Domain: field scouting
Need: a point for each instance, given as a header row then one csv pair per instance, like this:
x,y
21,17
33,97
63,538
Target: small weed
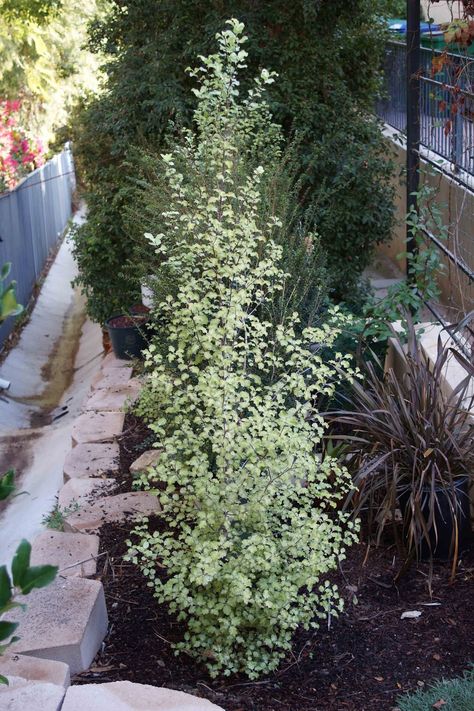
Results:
x,y
56,518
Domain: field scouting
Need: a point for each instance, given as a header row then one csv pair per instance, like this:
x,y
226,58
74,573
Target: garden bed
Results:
x,y
363,662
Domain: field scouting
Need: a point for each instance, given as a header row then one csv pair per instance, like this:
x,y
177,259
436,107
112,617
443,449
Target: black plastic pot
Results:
x,y
127,336
442,533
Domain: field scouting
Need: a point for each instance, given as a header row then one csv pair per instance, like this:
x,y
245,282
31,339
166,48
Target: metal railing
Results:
x,y
33,217
446,123
446,131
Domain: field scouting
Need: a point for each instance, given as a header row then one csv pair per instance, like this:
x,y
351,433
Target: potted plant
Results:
x,y
409,446
127,334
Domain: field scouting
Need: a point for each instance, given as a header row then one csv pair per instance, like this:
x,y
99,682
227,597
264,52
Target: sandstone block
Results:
x,y
121,507
71,552
112,378
84,491
126,696
66,621
112,399
93,427
23,695
145,461
110,361
34,669
92,460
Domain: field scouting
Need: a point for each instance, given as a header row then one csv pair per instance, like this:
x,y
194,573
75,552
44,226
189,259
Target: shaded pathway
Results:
x,y
50,370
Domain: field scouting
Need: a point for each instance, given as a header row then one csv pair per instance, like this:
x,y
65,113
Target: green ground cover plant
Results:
x,y
253,516
447,695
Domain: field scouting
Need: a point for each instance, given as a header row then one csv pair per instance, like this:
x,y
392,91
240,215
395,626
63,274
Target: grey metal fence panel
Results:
x,y
33,217
448,133
392,107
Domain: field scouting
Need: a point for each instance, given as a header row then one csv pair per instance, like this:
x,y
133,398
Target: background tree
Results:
x,y
327,55
43,62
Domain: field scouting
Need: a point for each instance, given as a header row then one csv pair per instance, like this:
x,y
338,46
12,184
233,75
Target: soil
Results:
x,y
361,662
139,309
126,321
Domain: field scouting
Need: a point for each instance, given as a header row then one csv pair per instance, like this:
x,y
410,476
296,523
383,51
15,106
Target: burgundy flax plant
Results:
x,y
406,438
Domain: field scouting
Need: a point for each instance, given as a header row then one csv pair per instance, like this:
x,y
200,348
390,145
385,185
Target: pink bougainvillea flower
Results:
x,y
19,154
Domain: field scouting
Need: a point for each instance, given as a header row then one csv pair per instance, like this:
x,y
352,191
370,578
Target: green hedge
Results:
x,y
327,55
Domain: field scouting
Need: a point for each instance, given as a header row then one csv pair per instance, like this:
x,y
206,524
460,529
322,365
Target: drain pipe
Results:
x,y
413,58
4,384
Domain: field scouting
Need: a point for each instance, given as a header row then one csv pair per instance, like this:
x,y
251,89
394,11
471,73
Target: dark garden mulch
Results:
x,y
361,663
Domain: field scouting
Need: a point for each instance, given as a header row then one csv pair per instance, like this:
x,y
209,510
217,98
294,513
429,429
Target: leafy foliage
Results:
x,y
98,250
396,8
43,61
260,143
327,55
38,10
406,438
23,579
253,526
405,301
8,303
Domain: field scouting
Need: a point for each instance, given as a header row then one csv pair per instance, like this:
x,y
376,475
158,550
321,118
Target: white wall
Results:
x,y
442,11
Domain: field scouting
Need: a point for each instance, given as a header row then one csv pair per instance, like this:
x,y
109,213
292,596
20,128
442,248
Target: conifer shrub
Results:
x,y
253,523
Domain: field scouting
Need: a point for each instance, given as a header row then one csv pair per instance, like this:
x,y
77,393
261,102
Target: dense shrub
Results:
x,y
259,142
105,252
327,55
397,8
252,522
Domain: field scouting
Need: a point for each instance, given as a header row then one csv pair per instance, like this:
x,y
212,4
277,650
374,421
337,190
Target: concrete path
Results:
x,y
51,370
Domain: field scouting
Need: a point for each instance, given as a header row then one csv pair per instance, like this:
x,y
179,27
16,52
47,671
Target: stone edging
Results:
x,y
65,624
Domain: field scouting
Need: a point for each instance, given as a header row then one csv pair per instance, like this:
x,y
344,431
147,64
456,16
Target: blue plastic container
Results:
x,y
399,26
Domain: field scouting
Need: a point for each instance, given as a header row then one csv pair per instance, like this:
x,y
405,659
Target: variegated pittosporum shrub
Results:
x,y
253,523
259,142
